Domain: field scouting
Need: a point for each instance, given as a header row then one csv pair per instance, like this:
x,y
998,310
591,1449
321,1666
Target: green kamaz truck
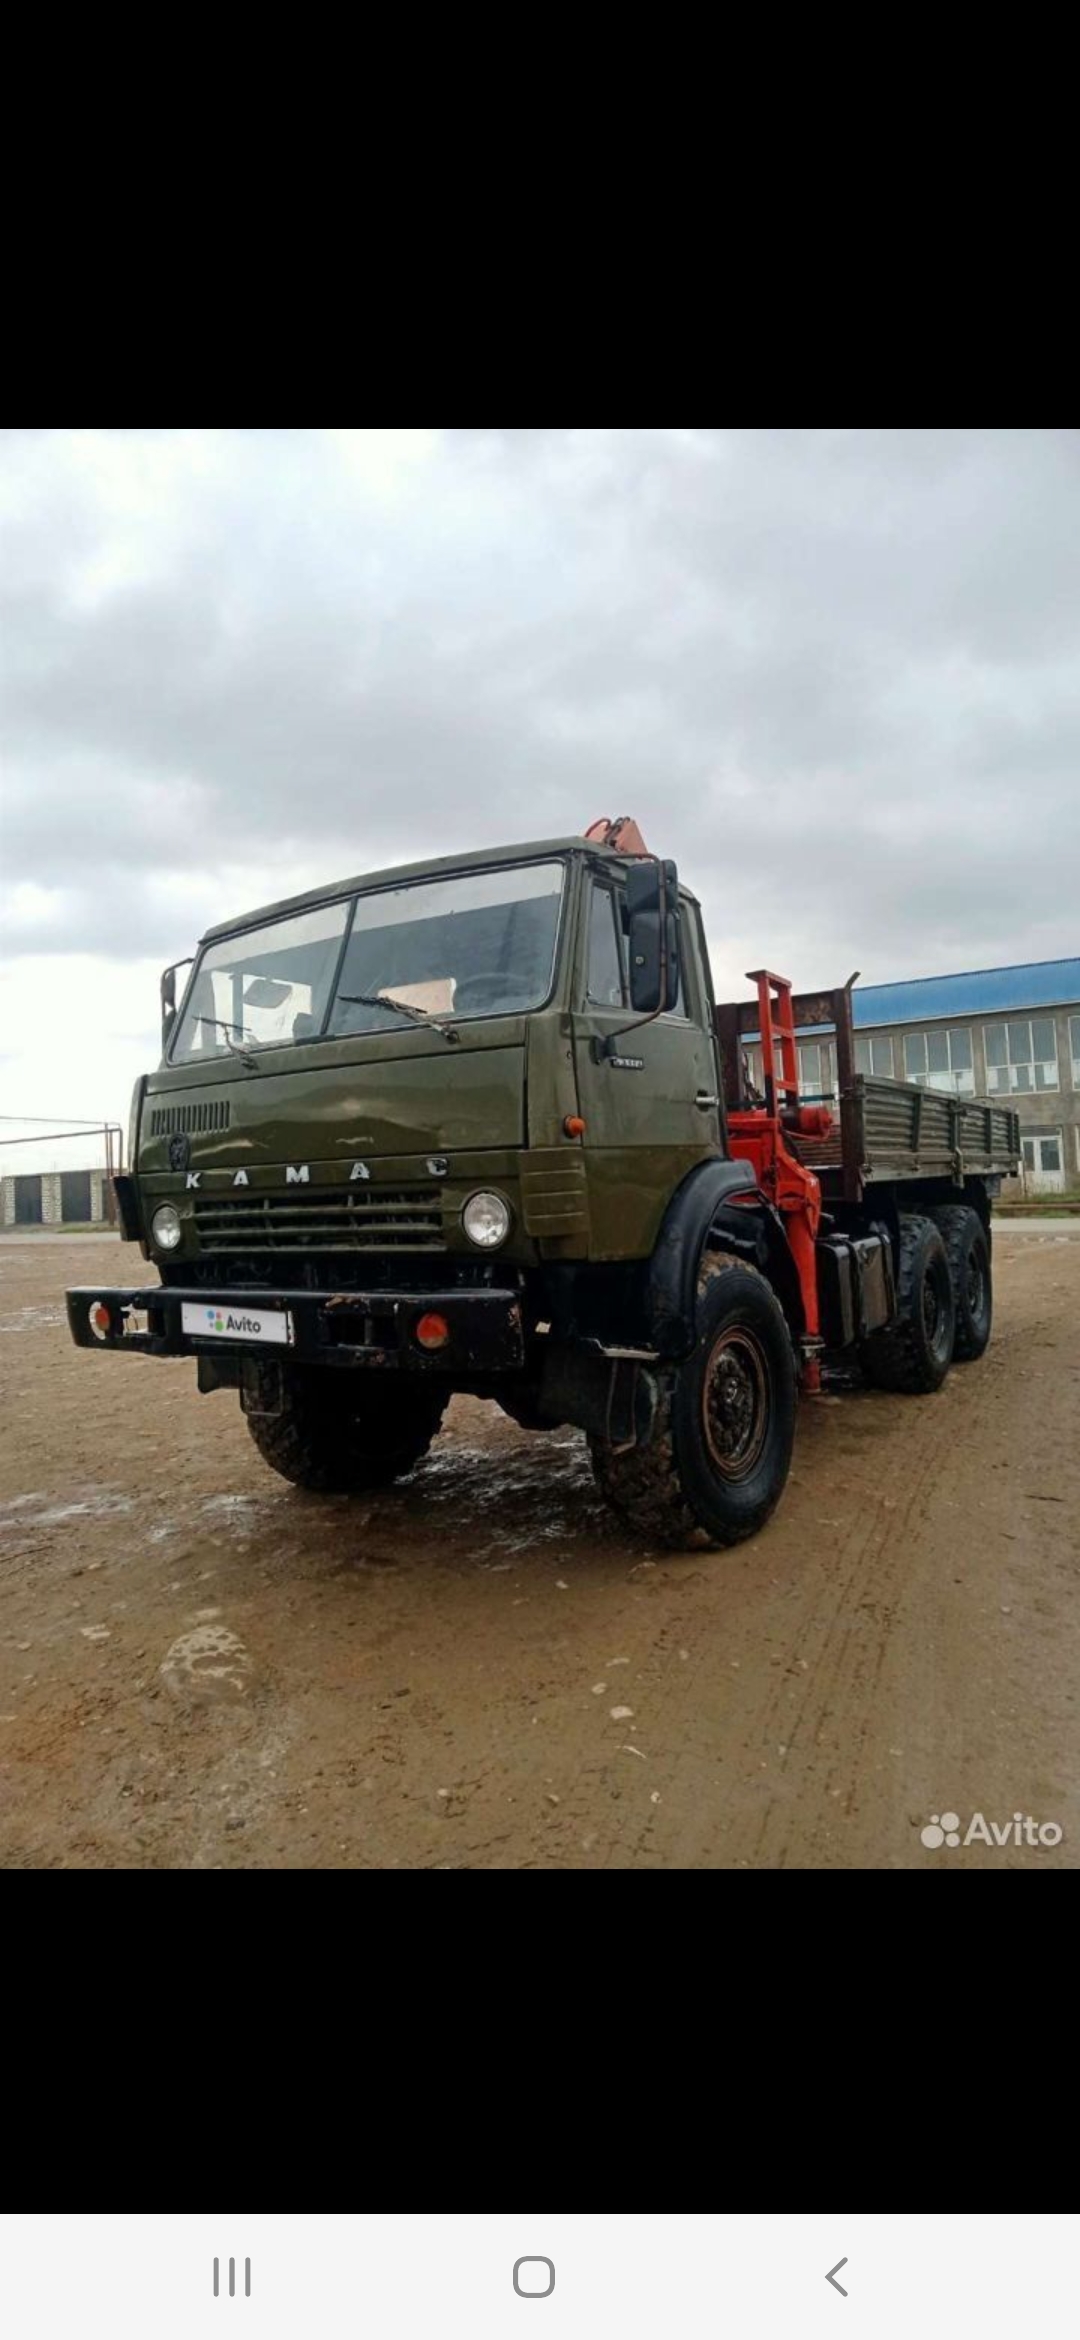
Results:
x,y
479,1124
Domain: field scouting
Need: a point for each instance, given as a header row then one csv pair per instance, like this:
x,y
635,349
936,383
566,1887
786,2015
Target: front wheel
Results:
x,y
347,1433
718,1458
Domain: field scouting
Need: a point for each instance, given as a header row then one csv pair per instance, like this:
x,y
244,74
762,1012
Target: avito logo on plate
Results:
x,y
212,1320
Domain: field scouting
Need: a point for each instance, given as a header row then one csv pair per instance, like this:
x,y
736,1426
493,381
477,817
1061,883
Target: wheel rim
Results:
x,y
735,1402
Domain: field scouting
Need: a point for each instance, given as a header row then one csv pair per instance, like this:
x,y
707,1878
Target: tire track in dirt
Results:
x,y
419,1685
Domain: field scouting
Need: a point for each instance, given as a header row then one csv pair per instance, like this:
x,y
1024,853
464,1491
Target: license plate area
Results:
x,y
219,1321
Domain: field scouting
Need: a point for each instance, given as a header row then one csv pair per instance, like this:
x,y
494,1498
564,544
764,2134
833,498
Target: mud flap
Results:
x,y
262,1385
613,1398
633,1404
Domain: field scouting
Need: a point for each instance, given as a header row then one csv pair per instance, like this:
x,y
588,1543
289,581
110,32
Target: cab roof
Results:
x,y
405,872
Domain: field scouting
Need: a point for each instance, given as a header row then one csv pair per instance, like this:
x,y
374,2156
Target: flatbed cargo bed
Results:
x,y
886,1130
894,1129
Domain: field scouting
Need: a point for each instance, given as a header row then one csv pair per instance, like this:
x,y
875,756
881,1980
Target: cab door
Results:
x,y
651,1107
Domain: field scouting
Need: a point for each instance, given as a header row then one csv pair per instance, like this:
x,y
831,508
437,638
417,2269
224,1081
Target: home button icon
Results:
x,y
534,2278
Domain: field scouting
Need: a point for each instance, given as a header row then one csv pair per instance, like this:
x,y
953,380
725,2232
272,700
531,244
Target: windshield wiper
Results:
x,y
219,1026
404,1007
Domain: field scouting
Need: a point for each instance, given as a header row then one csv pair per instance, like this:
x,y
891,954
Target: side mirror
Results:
x,y
652,917
168,999
168,1004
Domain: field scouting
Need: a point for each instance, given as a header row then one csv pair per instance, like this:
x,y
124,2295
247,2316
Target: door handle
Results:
x,y
705,1101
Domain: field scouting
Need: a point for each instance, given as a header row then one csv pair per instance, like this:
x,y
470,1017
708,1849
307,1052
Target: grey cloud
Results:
x,y
834,672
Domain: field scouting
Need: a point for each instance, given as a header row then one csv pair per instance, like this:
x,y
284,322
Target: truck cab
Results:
x,y
345,1071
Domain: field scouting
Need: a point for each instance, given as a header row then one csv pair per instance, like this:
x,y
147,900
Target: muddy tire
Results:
x,y
914,1353
968,1251
720,1452
342,1433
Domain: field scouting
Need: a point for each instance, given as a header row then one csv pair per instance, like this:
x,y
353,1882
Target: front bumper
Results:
x,y
326,1328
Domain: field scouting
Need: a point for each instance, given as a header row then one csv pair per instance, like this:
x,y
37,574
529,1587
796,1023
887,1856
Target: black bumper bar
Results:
x,y
323,1328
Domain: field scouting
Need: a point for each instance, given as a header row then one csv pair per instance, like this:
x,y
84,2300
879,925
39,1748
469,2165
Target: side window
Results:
x,y
606,985
680,1008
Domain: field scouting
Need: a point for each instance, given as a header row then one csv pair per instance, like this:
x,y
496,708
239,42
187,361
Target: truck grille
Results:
x,y
166,1120
407,1219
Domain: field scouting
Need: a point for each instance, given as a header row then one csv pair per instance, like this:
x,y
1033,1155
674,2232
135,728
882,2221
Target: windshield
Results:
x,y
482,944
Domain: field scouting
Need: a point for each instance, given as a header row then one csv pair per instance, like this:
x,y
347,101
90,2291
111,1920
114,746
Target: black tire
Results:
x,y
913,1353
718,1459
968,1250
345,1433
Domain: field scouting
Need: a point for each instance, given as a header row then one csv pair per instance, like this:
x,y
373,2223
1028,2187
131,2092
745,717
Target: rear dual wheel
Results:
x,y
967,1248
913,1353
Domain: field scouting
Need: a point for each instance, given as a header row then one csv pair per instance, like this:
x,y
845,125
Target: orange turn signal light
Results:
x,y
432,1330
574,1125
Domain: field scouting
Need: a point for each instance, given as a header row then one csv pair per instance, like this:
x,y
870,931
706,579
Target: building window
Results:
x,y
940,1059
815,1072
1021,1056
815,1058
1074,1043
874,1056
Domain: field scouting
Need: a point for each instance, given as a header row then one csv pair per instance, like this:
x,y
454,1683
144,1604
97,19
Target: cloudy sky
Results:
x,y
835,674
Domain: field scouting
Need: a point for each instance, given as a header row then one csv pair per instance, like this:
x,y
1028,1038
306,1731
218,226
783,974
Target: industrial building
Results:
x,y
1009,1032
56,1198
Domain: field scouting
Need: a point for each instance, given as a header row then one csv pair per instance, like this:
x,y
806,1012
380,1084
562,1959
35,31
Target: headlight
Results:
x,y
486,1220
165,1227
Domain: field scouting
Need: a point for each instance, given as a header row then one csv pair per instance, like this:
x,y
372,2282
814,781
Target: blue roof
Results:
x,y
985,991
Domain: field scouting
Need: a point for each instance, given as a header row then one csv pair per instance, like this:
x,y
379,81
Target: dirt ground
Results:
x,y
202,1668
